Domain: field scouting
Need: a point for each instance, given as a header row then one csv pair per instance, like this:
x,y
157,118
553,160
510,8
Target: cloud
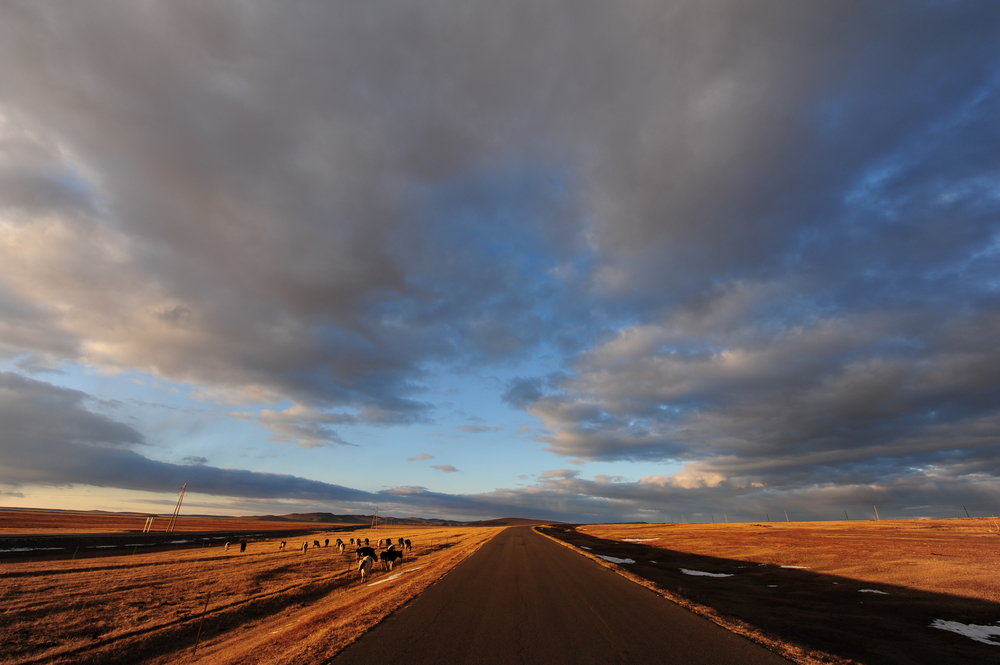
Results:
x,y
421,456
559,473
480,429
51,438
755,241
301,425
447,468
195,459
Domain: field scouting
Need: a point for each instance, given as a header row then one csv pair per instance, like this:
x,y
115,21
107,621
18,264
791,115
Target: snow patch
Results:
x,y
984,634
396,576
704,574
584,547
637,540
614,559
797,567
881,593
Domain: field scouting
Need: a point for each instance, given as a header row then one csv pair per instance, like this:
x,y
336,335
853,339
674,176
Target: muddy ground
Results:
x,y
863,592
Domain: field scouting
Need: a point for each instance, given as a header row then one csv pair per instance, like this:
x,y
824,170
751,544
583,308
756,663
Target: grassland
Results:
x,y
865,592
261,606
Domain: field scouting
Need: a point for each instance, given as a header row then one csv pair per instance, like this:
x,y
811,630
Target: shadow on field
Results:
x,y
840,616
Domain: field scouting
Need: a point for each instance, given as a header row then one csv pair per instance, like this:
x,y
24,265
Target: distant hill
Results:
x,y
330,518
511,521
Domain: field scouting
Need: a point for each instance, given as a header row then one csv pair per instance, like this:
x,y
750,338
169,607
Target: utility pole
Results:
x,y
177,510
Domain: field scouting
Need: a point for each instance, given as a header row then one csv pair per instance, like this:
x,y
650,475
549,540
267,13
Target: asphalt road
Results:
x,y
524,599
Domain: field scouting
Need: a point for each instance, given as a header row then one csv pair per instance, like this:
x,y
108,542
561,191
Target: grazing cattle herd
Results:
x,y
385,552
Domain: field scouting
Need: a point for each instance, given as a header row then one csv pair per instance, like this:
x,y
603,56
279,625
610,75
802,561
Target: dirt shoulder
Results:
x,y
823,592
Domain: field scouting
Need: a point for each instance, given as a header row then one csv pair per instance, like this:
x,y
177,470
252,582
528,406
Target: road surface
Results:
x,y
525,599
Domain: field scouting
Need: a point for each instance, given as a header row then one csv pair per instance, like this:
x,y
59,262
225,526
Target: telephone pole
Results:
x,y
177,510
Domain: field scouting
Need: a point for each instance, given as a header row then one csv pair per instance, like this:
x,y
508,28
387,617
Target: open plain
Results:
x,y
842,592
862,591
262,606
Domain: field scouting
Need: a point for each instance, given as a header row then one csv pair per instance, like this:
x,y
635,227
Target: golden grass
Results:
x,y
265,606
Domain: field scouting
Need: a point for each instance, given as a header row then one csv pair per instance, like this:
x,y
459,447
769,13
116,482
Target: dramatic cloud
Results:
x,y
750,245
51,437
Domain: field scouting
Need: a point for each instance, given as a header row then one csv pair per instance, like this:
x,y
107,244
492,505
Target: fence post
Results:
x,y
200,624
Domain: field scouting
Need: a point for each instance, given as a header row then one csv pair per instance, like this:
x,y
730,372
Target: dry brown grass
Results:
x,y
956,556
794,587
46,522
265,606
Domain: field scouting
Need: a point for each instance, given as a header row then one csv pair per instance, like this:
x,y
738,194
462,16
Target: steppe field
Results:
x,y
921,591
835,592
130,605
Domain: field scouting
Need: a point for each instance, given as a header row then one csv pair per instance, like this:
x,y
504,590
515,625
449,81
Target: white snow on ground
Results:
x,y
584,547
881,593
31,549
704,574
637,540
797,567
984,634
396,576
614,559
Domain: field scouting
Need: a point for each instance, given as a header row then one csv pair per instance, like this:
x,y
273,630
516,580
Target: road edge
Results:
x,y
787,650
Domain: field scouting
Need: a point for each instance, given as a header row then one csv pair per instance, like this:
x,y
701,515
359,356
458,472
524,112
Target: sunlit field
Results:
x,y
265,605
861,591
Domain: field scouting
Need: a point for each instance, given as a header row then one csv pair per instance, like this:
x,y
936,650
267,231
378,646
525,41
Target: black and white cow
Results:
x,y
365,566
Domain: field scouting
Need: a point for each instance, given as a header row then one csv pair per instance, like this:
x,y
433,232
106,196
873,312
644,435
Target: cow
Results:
x,y
227,547
380,543
326,543
305,546
281,546
365,566
362,552
366,542
352,541
315,543
400,543
407,543
339,541
340,546
388,557
243,546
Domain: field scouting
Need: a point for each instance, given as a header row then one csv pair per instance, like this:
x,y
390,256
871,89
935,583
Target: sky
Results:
x,y
635,261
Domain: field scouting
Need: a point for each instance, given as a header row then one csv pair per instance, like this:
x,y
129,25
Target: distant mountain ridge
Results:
x,y
330,518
